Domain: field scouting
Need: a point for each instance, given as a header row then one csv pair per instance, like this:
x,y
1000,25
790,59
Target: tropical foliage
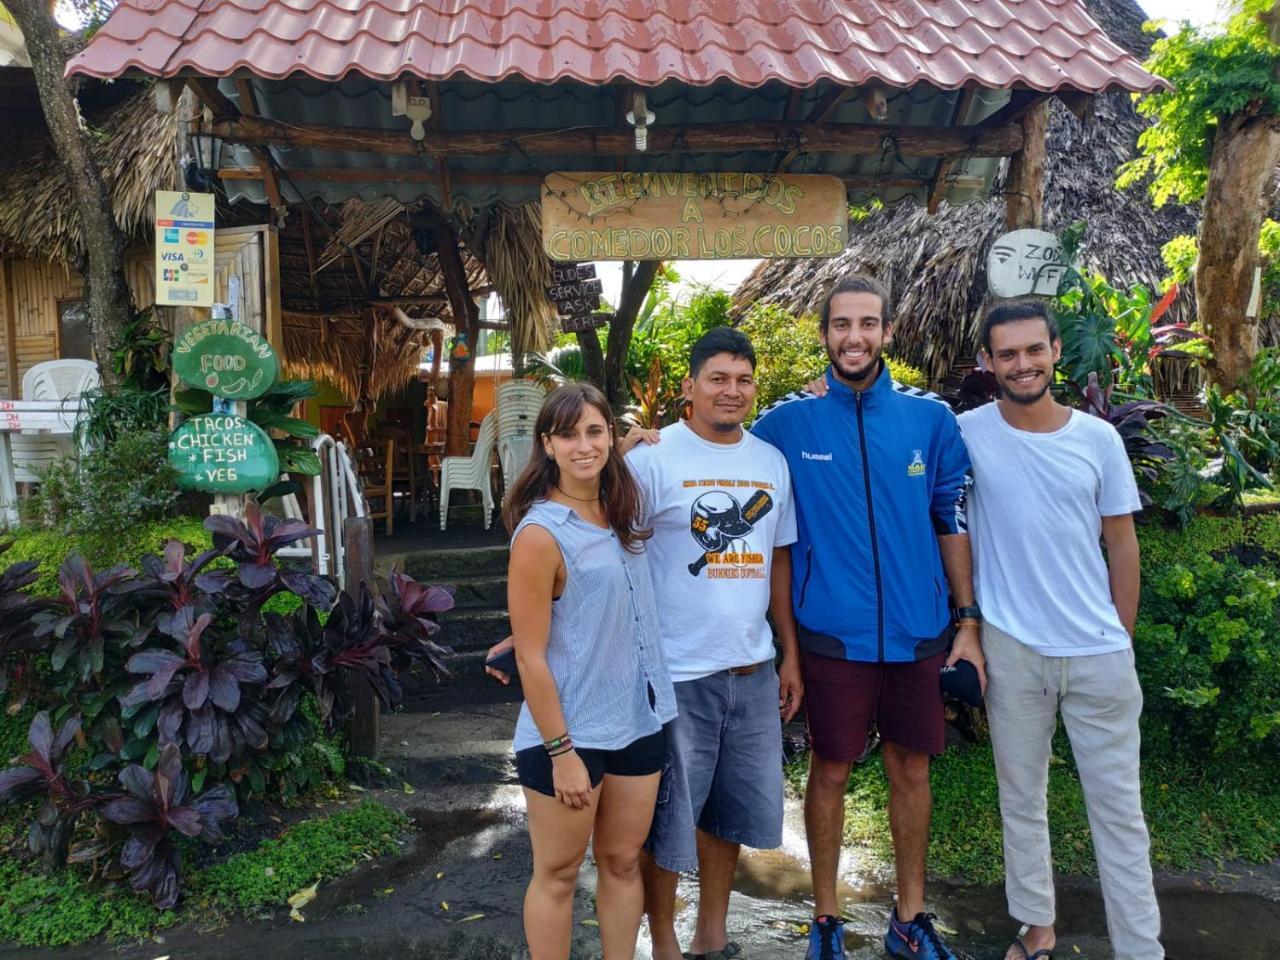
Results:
x,y
169,694
1213,74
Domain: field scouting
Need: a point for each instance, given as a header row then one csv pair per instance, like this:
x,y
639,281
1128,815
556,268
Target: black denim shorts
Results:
x,y
640,758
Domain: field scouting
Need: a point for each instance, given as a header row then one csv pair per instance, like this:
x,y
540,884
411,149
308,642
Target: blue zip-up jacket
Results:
x,y
878,474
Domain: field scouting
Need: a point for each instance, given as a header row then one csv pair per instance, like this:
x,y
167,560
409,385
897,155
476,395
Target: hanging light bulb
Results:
x,y
640,116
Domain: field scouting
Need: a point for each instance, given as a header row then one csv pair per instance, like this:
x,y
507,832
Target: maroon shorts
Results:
x,y
843,698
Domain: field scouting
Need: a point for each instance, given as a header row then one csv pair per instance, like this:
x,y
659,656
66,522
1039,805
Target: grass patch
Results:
x,y
312,850
64,907
1194,816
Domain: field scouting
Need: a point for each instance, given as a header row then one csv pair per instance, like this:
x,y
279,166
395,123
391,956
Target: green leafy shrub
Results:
x,y
173,675
49,548
905,373
107,491
1208,644
788,351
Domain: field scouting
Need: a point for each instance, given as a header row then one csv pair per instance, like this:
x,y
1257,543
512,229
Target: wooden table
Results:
x,y
55,417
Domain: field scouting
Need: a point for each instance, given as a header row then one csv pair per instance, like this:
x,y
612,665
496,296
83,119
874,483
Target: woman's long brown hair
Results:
x,y
619,492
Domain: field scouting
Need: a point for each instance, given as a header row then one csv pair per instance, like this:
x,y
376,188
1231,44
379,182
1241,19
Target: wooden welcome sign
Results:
x,y
692,216
227,358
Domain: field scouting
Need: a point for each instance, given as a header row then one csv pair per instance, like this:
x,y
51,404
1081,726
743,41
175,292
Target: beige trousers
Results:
x,y
1100,701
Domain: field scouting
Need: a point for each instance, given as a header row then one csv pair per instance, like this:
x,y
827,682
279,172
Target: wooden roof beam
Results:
x,y
820,113
938,185
270,183
985,140
207,92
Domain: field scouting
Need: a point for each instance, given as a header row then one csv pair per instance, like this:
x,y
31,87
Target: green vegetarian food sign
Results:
x,y
222,453
227,358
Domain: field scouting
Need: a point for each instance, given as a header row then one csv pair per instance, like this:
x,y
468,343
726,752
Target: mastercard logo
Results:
x,y
197,237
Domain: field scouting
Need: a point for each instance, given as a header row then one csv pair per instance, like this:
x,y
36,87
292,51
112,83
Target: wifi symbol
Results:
x,y
1002,253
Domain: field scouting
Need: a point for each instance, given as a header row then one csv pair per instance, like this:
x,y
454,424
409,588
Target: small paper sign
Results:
x,y
184,249
222,453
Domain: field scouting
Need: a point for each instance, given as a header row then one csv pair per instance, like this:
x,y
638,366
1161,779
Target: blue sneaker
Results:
x,y
826,939
916,940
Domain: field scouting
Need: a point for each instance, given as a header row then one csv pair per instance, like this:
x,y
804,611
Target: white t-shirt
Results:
x,y
717,511
1035,521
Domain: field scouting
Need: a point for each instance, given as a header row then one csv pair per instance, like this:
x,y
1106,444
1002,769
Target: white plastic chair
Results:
x,y
471,473
517,405
34,452
50,381
59,379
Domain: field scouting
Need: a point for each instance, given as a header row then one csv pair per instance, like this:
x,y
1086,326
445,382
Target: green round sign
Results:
x,y
223,453
226,358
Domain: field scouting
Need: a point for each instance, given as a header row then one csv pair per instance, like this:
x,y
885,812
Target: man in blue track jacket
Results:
x,y
880,475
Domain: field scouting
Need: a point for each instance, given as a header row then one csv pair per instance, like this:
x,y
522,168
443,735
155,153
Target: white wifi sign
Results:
x,y
1025,262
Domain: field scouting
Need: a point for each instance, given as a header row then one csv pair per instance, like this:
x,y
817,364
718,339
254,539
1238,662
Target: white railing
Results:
x,y
335,495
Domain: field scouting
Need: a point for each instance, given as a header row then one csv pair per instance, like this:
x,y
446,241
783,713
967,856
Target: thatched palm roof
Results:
x,y
337,265
936,265
139,151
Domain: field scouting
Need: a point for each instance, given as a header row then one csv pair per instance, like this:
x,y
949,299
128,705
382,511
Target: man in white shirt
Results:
x,y
1049,482
719,503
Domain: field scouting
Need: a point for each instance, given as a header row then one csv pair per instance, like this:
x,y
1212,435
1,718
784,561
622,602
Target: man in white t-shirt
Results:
x,y
719,503
1050,483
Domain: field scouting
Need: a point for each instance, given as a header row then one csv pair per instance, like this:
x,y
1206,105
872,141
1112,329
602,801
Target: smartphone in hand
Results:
x,y
506,662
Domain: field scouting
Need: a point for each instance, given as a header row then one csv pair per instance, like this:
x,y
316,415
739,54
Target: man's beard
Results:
x,y
1024,399
868,372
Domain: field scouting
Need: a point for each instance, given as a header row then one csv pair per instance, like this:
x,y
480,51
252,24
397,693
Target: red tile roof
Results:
x,y
1042,44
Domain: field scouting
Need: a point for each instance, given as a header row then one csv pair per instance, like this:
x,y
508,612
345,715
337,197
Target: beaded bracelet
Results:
x,y
556,742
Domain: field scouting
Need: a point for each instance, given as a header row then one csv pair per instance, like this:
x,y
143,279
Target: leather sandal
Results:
x,y
730,951
1038,955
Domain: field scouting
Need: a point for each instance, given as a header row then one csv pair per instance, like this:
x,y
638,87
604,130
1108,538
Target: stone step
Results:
x,y
448,566
486,591
467,687
466,629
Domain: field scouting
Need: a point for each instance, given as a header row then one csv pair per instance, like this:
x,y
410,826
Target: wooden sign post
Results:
x,y
692,216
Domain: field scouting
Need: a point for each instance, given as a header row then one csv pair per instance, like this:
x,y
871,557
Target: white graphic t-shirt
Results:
x,y
717,512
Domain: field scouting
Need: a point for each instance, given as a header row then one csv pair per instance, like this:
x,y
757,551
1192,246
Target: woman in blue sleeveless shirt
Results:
x,y
589,742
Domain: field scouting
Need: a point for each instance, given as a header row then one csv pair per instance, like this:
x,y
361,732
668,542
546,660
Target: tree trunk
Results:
x,y
1243,161
637,278
466,318
1024,187
101,263
592,356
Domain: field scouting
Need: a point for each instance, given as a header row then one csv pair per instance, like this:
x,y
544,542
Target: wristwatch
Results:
x,y
969,613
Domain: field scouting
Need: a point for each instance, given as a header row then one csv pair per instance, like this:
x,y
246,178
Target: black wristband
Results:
x,y
969,613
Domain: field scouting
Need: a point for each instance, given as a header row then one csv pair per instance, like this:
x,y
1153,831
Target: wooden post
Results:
x,y
10,329
1024,188
365,729
466,319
